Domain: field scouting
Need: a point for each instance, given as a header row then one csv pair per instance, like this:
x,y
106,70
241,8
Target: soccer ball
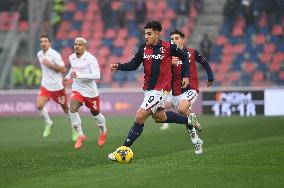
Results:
x,y
123,154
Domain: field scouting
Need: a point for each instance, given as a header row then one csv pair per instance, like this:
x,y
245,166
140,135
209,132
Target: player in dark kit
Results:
x,y
183,97
156,56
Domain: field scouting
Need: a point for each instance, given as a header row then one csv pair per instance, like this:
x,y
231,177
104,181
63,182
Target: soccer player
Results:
x,y
84,71
52,67
183,98
155,55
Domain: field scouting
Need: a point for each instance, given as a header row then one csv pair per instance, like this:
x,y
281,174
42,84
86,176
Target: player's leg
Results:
x,y
61,98
168,105
135,131
75,103
184,107
141,115
94,106
42,99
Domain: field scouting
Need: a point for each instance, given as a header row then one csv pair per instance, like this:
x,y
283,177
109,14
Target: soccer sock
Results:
x,y
101,121
173,117
76,123
44,114
133,134
189,127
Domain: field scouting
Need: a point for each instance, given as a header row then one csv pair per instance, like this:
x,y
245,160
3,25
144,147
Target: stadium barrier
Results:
x,y
215,101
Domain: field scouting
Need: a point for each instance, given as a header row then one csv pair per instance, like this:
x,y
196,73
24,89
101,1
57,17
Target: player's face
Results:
x,y
177,40
151,36
44,43
79,47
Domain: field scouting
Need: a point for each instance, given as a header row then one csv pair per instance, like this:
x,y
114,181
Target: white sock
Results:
x,y
44,114
101,121
76,123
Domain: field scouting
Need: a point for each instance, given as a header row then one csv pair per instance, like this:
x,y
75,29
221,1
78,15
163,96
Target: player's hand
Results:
x,y
175,60
113,67
74,74
185,82
209,83
65,81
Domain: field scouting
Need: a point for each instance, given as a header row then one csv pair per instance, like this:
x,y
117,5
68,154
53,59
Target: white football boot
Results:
x,y
192,119
111,156
164,126
193,135
198,147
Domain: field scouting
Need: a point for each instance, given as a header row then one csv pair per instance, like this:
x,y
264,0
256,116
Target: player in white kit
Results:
x,y
84,71
52,67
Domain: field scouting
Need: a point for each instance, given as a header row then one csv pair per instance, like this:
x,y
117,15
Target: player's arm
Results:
x,y
131,65
202,60
55,67
177,52
94,68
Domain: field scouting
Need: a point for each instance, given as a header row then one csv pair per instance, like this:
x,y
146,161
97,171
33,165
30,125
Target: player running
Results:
x,y
155,55
183,98
52,67
84,71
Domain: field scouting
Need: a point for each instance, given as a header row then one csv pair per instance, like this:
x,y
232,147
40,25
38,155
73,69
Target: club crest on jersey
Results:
x,y
179,63
162,50
152,56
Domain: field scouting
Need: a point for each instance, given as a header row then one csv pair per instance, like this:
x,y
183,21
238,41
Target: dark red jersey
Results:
x,y
194,57
157,62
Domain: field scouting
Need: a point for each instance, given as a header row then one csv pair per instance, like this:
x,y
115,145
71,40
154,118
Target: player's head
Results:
x,y
177,37
45,42
152,32
80,45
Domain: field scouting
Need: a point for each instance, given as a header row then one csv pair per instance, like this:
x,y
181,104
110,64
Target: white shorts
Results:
x,y
190,95
153,100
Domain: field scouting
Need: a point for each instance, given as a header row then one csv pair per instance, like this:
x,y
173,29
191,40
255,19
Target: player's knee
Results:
x,y
95,112
182,110
39,107
140,117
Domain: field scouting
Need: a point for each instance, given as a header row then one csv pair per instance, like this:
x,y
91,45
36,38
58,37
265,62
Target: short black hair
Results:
x,y
178,32
155,25
45,36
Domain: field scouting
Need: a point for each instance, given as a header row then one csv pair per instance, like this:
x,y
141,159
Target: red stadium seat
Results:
x,y
269,48
237,31
239,48
265,57
70,6
277,30
23,26
281,75
221,40
228,49
234,76
258,76
248,67
274,67
259,39
278,57
227,58
79,16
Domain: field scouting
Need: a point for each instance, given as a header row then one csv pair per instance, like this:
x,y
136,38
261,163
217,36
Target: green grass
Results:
x,y
238,152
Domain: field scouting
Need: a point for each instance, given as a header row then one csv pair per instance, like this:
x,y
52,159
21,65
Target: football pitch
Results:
x,y
237,152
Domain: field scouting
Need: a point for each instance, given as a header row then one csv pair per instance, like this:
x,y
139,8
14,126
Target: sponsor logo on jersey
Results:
x,y
152,56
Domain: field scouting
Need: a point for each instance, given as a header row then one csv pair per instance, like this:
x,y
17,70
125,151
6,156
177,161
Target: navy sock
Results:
x,y
133,134
173,117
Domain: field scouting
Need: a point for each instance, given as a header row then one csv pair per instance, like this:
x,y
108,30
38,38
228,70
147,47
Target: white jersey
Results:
x,y
87,70
51,79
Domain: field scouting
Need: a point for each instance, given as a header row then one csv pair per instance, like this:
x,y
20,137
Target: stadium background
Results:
x,y
243,41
